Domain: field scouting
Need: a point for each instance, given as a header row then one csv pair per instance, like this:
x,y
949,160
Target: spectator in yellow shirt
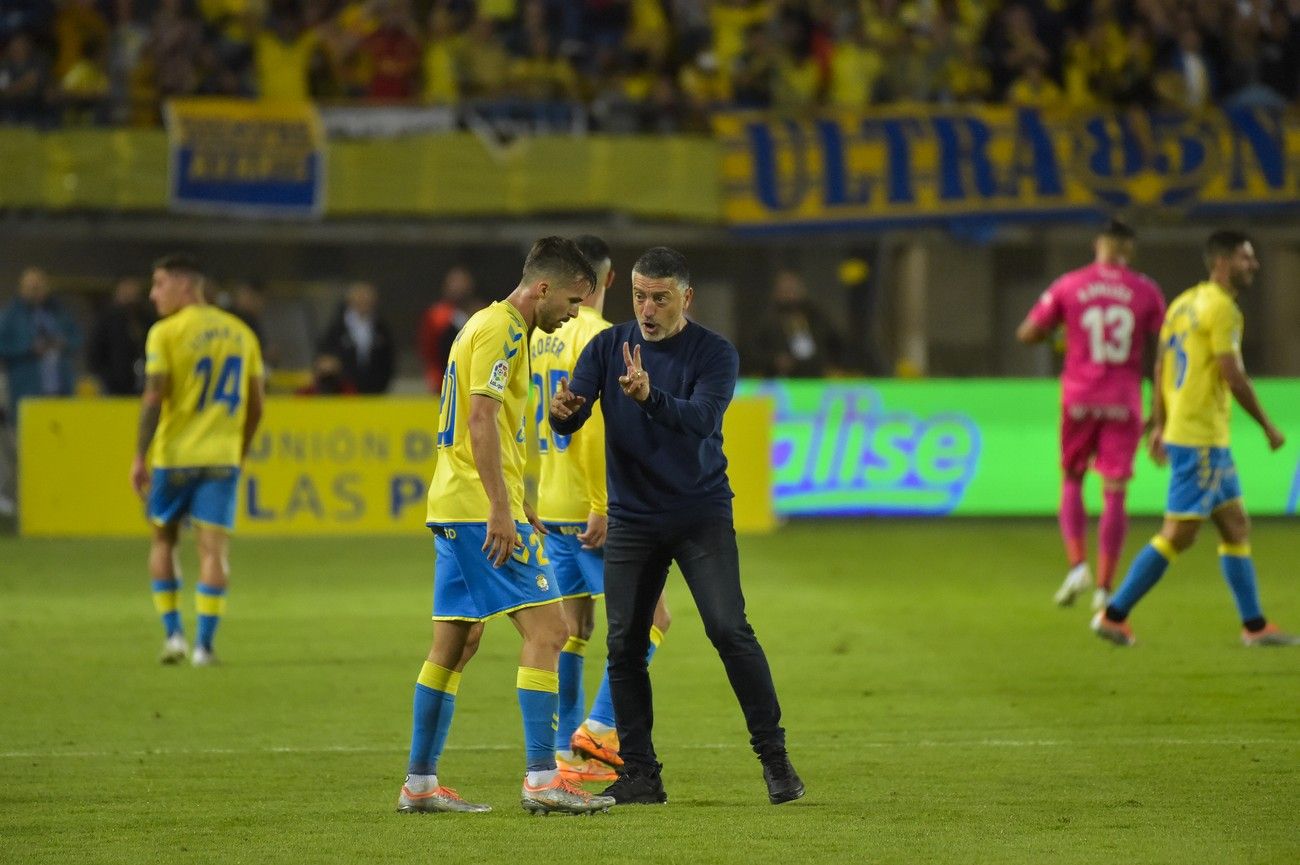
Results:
x,y
441,78
1034,89
856,67
540,75
283,58
484,63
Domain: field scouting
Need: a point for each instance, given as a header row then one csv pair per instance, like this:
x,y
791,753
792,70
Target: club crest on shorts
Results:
x,y
541,582
500,373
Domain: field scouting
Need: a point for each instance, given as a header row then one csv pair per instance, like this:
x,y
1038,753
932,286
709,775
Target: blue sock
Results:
x,y
602,708
165,601
571,700
538,700
1239,570
1143,574
211,604
435,703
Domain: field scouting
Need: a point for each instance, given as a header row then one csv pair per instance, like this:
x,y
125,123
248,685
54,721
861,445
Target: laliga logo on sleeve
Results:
x,y
500,374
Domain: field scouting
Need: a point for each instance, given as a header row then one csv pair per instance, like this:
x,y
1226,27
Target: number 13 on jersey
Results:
x,y
1110,333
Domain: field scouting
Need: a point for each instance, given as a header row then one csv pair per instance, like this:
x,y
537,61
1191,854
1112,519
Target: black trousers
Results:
x,y
636,566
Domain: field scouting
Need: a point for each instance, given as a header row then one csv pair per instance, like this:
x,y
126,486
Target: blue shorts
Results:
x,y
205,495
1200,481
466,586
579,573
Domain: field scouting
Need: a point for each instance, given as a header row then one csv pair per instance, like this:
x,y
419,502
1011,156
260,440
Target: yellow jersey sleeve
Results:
x,y
156,360
496,351
1223,327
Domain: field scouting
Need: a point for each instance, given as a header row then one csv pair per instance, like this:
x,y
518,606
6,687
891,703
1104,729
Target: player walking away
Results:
x,y
202,402
1199,364
490,559
664,384
572,505
1111,314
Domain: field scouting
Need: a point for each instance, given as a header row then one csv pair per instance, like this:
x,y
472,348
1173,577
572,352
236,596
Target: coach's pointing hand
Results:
x,y
636,383
565,402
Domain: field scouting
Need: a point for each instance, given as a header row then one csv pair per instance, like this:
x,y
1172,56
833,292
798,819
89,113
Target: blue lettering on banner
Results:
x,y
1265,135
345,491
304,497
853,456
403,491
774,189
989,164
418,446
254,509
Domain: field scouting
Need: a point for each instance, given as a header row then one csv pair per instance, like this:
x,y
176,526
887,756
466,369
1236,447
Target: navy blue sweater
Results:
x,y
663,457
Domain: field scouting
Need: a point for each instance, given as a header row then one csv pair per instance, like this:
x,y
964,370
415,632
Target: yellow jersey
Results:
x,y
1202,323
490,358
209,356
572,468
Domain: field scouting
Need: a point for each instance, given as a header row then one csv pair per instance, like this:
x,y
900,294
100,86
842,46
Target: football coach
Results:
x,y
663,383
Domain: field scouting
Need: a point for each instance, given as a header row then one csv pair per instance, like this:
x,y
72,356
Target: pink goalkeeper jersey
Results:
x,y
1108,312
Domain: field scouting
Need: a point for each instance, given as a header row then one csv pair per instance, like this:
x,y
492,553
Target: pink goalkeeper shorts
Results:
x,y
1105,438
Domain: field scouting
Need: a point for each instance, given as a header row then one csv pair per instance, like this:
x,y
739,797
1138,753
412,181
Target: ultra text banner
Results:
x,y
1001,163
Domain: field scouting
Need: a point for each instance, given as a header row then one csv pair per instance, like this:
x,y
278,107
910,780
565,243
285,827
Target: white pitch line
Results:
x,y
697,746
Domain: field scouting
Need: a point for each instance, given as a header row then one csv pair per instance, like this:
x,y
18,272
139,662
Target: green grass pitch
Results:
x,y
939,708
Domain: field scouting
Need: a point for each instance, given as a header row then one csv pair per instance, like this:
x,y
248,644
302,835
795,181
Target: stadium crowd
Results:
x,y
642,65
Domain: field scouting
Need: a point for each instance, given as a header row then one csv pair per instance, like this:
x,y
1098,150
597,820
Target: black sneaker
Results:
x,y
638,785
783,784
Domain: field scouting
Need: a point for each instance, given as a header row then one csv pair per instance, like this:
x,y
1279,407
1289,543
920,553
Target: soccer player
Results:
x,y
1111,315
202,402
490,559
572,506
664,383
1199,364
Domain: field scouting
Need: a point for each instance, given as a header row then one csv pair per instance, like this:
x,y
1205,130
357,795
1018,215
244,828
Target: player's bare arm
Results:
x,y
1030,333
1234,374
485,443
565,402
150,413
256,400
636,381
1155,423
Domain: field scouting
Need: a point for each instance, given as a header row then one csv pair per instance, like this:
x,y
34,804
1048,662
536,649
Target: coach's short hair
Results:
x,y
560,258
1222,243
663,263
181,262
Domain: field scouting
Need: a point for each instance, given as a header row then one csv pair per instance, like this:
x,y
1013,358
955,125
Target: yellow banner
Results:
x,y
347,466
431,174
1001,163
